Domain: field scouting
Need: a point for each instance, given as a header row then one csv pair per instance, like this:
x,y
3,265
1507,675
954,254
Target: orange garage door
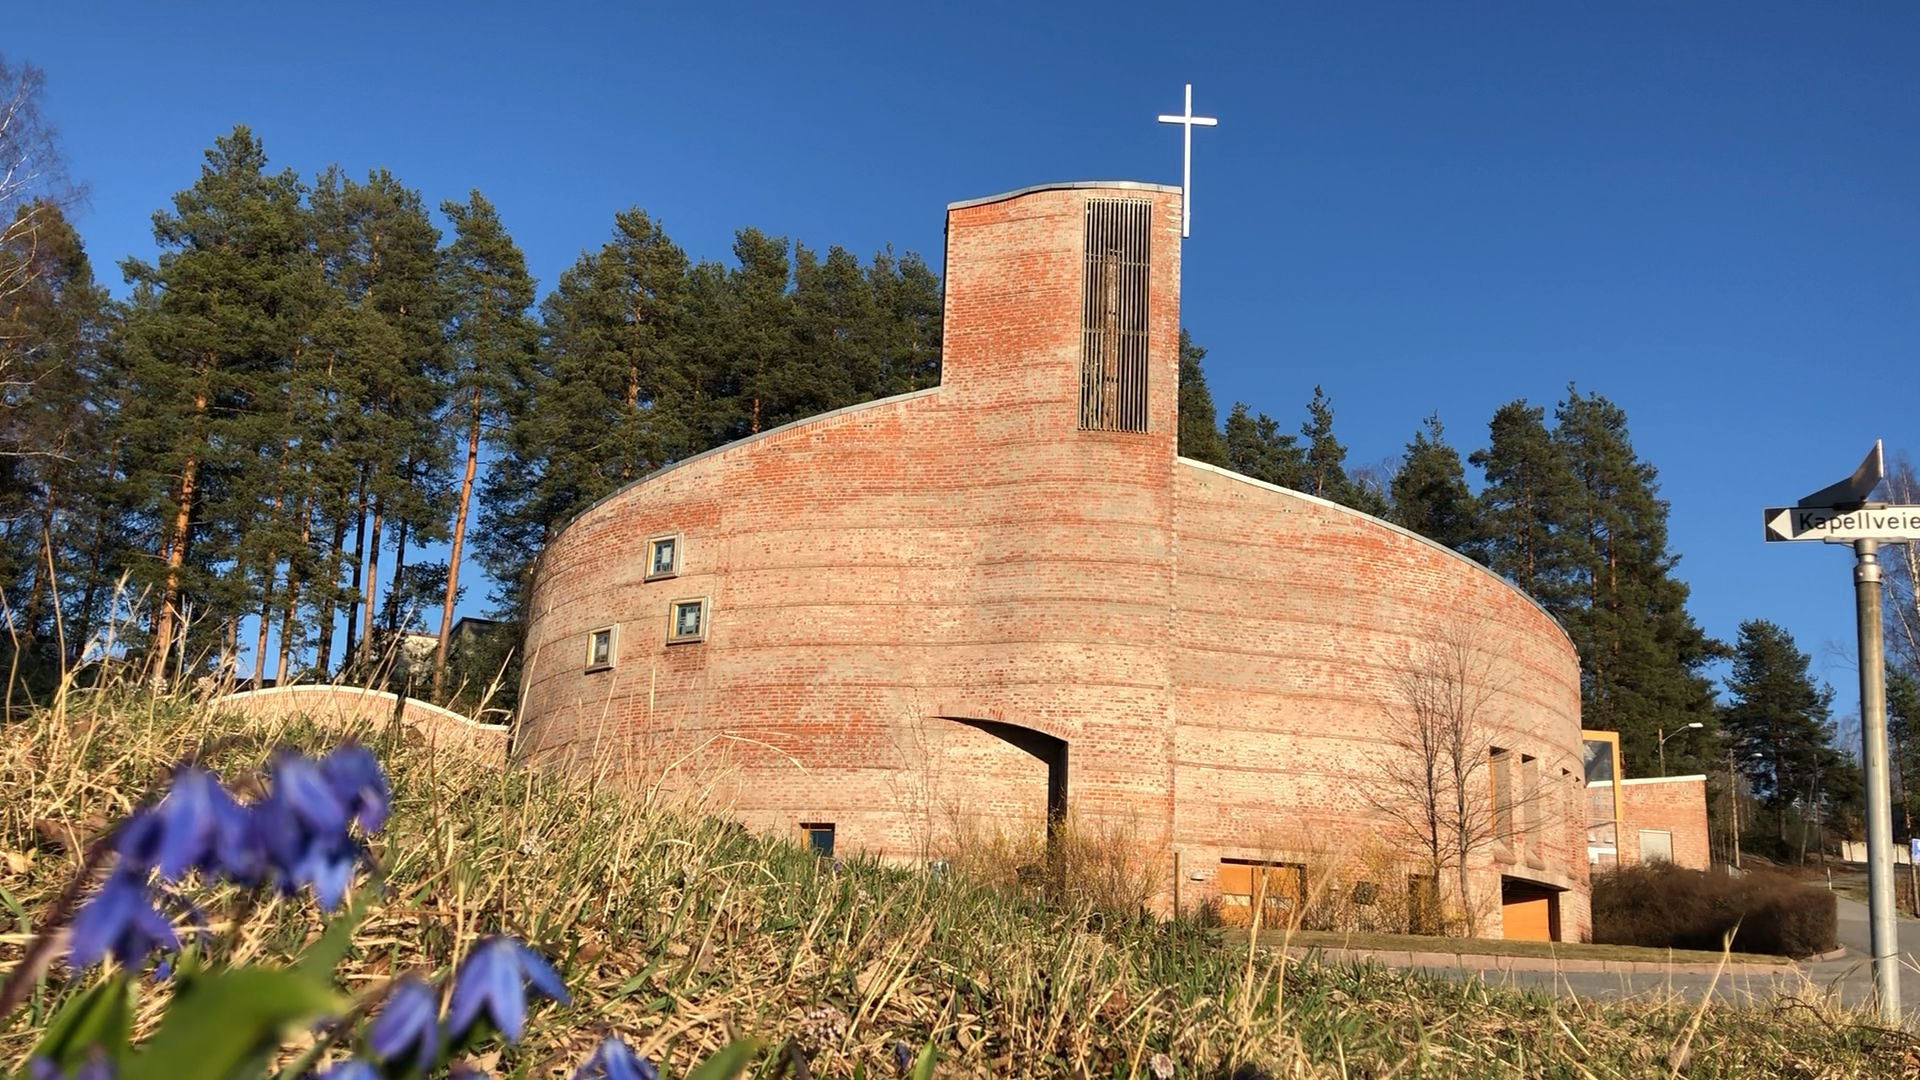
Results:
x,y
1528,912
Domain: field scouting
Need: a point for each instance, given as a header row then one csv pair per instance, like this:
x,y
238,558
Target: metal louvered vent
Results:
x,y
1113,326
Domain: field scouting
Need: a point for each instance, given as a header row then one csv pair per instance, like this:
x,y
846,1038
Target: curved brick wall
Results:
x,y
1211,650
1297,621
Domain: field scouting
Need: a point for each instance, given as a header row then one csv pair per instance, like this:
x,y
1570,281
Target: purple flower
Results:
x,y
350,1069
615,1060
490,984
902,1058
408,1025
180,833
238,850
300,786
301,828
355,776
121,920
97,1067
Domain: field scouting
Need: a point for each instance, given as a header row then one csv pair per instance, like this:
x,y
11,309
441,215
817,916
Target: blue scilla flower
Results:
x,y
615,1060
350,1069
408,1027
354,773
182,832
491,984
301,828
97,1067
119,920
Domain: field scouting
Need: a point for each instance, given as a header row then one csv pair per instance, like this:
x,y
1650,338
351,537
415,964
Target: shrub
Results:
x,y
1665,906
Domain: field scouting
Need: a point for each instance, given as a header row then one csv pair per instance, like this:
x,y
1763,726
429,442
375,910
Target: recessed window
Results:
x,y
687,621
1114,320
663,557
1500,787
600,649
819,837
1656,845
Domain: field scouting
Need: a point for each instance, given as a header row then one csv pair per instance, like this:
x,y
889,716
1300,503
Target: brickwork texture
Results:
x,y
891,587
1675,805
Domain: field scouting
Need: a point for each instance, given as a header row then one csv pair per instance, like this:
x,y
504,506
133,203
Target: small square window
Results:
x,y
688,621
663,557
600,649
819,837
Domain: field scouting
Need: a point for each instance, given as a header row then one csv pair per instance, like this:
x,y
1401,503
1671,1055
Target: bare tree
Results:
x,y
1446,782
1902,568
33,174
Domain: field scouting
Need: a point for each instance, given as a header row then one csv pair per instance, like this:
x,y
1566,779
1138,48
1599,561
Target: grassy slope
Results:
x,y
676,929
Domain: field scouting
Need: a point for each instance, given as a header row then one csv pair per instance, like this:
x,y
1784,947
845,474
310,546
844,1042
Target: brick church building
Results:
x,y
1008,596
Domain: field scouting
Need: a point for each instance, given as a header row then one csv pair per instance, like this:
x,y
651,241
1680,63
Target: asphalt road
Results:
x,y
1848,979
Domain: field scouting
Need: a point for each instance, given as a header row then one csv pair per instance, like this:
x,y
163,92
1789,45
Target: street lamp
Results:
x,y
1663,742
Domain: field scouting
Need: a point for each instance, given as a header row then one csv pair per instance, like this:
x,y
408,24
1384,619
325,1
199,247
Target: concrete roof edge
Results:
x,y
1662,779
1063,185
1403,531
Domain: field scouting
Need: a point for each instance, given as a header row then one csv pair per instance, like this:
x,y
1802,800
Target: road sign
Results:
x,y
1888,523
1854,489
1841,512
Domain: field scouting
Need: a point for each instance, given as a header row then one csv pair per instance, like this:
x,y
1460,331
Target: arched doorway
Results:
x,y
1049,749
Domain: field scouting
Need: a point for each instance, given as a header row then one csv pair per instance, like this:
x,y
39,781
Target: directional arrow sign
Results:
x,y
1855,488
1890,523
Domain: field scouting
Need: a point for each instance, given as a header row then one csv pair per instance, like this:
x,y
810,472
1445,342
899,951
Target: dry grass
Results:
x,y
678,931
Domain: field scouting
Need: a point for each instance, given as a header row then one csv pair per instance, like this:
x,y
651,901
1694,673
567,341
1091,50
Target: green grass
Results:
x,y
1329,939
679,931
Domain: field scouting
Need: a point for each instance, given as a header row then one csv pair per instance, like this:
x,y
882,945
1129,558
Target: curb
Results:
x,y
1447,961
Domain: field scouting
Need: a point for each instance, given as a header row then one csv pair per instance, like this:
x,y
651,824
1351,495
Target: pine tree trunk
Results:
x,y
323,651
394,591
85,617
292,608
352,654
43,570
272,566
373,579
167,621
167,618
453,558
260,639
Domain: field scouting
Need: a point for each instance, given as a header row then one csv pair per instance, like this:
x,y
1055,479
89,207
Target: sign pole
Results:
x,y
1873,758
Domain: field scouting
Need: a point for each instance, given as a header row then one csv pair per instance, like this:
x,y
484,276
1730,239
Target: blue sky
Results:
x,y
1707,212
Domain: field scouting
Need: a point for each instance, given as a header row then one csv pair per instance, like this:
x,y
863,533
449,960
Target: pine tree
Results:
x,y
1199,434
383,334
493,343
610,398
1642,655
1527,482
1254,447
1325,472
1430,493
56,399
907,294
1779,720
210,336
837,325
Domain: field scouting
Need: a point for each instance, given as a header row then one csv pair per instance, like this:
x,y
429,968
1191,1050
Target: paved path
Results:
x,y
1849,979
1855,934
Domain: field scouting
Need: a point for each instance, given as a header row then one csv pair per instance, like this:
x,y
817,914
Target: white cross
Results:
x,y
1187,120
